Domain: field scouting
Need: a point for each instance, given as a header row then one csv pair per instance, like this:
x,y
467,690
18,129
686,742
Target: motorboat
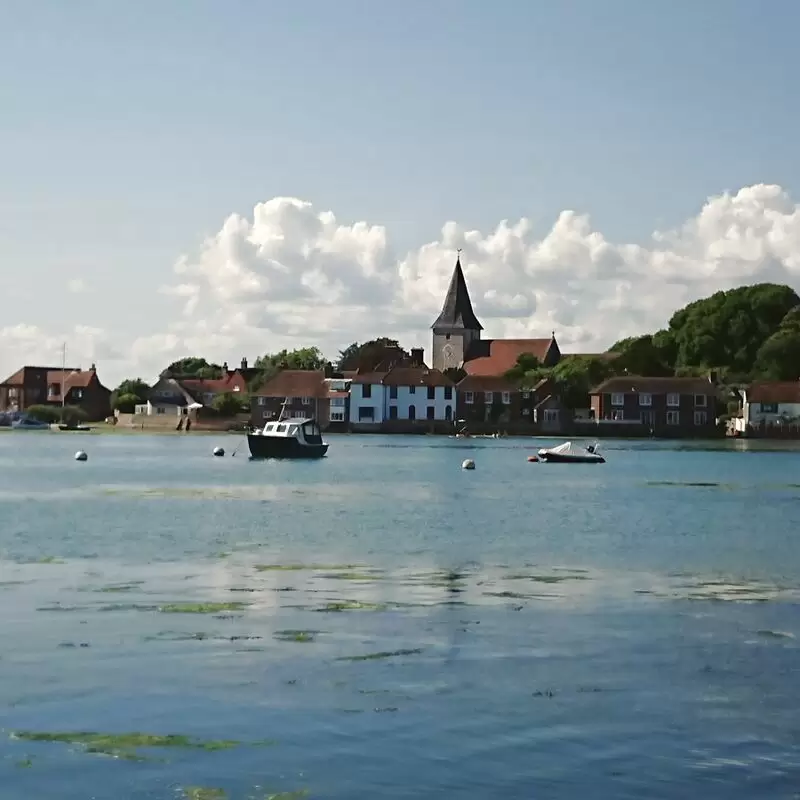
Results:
x,y
73,427
29,424
292,437
569,453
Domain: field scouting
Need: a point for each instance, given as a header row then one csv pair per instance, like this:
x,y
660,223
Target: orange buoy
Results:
x,y
533,459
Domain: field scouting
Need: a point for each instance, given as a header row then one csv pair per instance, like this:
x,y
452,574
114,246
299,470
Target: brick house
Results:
x,y
491,402
671,407
31,386
306,391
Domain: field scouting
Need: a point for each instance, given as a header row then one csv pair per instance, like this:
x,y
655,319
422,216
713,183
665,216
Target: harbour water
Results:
x,y
381,623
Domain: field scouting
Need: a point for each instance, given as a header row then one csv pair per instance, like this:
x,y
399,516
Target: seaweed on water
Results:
x,y
352,605
382,654
201,608
304,567
204,793
295,636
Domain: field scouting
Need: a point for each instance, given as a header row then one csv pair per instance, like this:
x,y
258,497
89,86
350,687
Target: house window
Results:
x,y
448,412
289,400
648,418
262,401
673,417
366,390
488,397
78,394
54,390
267,415
700,400
618,415
307,401
506,398
431,393
700,417
526,395
448,392
161,410
617,399
431,412
551,415
412,389
393,393
412,412
674,400
236,389
526,412
645,399
469,398
337,402
337,416
769,408
366,412
392,412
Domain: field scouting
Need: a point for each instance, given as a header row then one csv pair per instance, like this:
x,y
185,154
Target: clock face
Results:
x,y
449,355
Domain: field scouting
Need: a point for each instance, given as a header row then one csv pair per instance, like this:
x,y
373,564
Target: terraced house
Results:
x,y
664,406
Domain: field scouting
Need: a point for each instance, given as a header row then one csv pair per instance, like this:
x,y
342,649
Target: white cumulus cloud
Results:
x,y
292,275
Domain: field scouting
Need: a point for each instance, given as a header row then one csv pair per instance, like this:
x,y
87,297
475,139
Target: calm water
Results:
x,y
384,624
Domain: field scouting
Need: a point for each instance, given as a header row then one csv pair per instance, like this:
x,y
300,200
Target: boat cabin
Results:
x,y
305,430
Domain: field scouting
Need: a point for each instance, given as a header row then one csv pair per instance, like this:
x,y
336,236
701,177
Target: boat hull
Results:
x,y
283,447
557,458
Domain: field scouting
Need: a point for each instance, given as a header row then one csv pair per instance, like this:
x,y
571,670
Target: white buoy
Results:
x,y
219,451
81,456
467,463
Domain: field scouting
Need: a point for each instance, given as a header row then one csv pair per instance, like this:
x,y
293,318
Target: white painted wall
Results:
x,y
358,401
754,415
420,402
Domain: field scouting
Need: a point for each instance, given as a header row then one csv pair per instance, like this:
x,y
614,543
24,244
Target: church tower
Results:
x,y
457,327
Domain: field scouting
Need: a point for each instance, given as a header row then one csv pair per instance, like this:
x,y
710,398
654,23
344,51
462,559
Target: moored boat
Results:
x,y
29,424
568,453
291,437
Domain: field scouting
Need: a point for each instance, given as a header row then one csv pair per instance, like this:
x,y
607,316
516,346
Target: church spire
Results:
x,y
457,309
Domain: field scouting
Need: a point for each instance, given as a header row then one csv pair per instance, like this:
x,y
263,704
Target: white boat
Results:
x,y
569,453
288,437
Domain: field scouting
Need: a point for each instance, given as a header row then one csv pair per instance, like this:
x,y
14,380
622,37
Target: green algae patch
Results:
x,y
298,794
352,605
362,577
204,793
202,608
115,588
295,636
24,763
770,634
124,745
305,567
42,560
381,655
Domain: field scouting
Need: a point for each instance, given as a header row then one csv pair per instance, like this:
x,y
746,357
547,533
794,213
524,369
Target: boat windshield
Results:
x,y
312,433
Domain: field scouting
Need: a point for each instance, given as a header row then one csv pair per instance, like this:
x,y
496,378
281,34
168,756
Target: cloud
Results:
x,y
77,286
292,275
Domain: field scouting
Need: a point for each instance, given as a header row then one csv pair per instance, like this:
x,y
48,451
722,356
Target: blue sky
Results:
x,y
130,132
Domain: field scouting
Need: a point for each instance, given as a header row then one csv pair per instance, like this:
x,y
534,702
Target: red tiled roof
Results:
x,y
215,385
75,379
18,378
369,377
669,385
295,383
503,355
332,393
416,376
774,392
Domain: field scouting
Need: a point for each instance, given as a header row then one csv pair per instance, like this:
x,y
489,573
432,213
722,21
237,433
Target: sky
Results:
x,y
230,178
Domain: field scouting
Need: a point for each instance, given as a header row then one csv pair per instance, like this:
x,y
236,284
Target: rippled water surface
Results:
x,y
383,624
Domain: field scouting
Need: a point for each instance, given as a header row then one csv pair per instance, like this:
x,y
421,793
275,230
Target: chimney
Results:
x,y
328,369
93,368
244,363
224,366
417,356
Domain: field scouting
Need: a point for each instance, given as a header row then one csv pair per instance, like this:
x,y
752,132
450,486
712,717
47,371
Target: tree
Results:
x,y
576,376
130,393
726,330
309,358
526,367
194,367
228,404
70,414
778,359
125,403
651,355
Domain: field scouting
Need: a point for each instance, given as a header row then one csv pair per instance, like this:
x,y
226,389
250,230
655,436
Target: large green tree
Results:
x,y
726,330
130,393
194,367
355,355
309,358
778,358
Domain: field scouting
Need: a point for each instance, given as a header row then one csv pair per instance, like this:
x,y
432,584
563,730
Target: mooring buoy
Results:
x,y
81,455
467,463
219,451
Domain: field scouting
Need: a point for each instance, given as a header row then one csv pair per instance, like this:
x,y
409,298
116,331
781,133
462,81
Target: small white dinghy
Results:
x,y
569,453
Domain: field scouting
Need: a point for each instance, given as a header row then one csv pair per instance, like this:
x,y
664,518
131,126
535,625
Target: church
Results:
x,y
457,341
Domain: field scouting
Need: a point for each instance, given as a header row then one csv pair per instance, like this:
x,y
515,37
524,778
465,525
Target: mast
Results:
x,y
63,379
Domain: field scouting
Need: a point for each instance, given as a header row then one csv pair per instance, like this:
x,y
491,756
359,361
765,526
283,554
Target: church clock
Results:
x,y
449,356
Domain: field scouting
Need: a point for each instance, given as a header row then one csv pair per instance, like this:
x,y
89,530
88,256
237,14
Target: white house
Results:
x,y
407,393
770,403
168,398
